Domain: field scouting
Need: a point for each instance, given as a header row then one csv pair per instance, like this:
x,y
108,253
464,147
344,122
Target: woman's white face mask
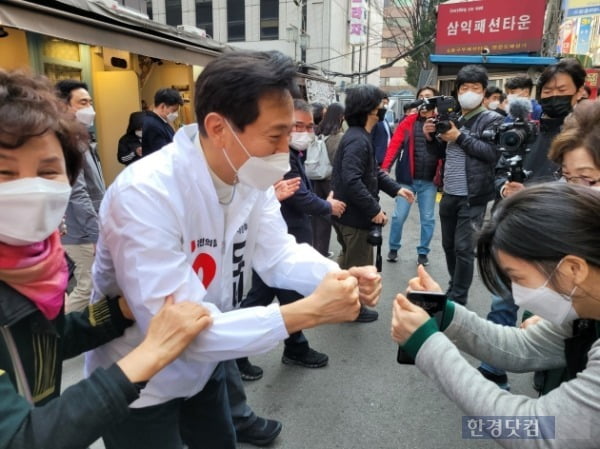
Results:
x,y
32,209
545,302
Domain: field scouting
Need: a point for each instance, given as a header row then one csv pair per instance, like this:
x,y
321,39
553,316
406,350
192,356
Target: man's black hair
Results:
x,y
519,82
360,101
431,88
472,74
568,66
317,112
233,84
65,87
491,90
301,105
170,97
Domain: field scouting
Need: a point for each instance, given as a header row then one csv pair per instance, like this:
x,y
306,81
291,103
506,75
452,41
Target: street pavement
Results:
x,y
363,399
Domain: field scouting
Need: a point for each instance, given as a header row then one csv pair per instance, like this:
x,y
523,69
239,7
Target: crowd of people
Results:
x,y
175,266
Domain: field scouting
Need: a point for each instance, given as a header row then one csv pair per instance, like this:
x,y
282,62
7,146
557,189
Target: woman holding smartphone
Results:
x,y
544,244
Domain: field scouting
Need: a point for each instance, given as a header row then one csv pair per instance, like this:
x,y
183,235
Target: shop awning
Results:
x,y
500,60
86,23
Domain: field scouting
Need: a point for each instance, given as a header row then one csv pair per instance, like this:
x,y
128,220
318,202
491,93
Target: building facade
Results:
x,y
316,33
396,32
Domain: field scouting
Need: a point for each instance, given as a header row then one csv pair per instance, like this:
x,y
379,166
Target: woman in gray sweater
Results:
x,y
544,244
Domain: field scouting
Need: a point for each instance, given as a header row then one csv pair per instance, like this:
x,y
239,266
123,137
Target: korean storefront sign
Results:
x,y
503,27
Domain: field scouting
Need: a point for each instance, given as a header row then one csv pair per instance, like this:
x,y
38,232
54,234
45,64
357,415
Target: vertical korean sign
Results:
x,y
358,22
507,26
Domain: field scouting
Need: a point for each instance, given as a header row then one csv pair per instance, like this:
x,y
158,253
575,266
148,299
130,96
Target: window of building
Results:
x,y
204,16
149,8
269,19
173,8
236,20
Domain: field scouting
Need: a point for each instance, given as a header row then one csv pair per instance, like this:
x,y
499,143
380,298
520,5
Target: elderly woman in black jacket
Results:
x,y
39,159
357,180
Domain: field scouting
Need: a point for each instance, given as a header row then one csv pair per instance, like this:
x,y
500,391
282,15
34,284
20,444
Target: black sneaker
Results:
x,y
309,359
499,379
262,432
422,260
392,255
248,371
366,315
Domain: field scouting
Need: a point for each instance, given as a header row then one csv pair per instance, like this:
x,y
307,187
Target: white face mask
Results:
x,y
512,97
545,302
301,141
172,116
470,100
32,209
493,105
139,134
86,115
259,172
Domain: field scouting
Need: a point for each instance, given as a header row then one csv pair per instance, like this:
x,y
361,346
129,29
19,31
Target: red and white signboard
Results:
x,y
506,26
359,9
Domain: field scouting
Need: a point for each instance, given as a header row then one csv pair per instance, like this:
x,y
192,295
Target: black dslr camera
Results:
x,y
514,139
446,112
375,238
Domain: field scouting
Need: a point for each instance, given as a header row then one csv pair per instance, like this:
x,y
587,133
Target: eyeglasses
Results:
x,y
580,180
301,127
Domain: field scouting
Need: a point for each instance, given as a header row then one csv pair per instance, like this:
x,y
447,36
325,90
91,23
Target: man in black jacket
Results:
x,y
357,180
559,88
468,176
157,130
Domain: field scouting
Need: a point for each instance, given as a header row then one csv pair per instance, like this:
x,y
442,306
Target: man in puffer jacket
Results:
x,y
468,176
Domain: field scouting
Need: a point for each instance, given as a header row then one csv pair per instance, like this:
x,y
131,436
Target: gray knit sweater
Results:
x,y
574,404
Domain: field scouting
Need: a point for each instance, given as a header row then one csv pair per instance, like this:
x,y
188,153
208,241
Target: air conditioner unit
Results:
x,y
191,31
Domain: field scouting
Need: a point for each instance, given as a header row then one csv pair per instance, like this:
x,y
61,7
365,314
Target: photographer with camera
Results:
x,y
415,170
357,179
468,173
559,88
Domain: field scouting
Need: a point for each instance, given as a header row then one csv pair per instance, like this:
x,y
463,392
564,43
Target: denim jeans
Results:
x,y
425,192
503,311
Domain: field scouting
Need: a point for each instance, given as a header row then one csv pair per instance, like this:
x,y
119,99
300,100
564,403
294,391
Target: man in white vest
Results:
x,y
193,219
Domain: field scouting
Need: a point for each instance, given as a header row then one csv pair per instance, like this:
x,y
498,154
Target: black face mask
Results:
x,y
381,114
557,106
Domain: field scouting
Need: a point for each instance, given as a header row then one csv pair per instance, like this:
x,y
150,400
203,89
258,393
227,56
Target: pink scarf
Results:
x,y
37,271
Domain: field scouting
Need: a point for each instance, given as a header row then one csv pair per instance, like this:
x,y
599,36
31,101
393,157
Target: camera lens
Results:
x,y
513,139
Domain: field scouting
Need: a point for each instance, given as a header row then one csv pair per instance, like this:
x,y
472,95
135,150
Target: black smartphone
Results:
x,y
431,302
434,304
